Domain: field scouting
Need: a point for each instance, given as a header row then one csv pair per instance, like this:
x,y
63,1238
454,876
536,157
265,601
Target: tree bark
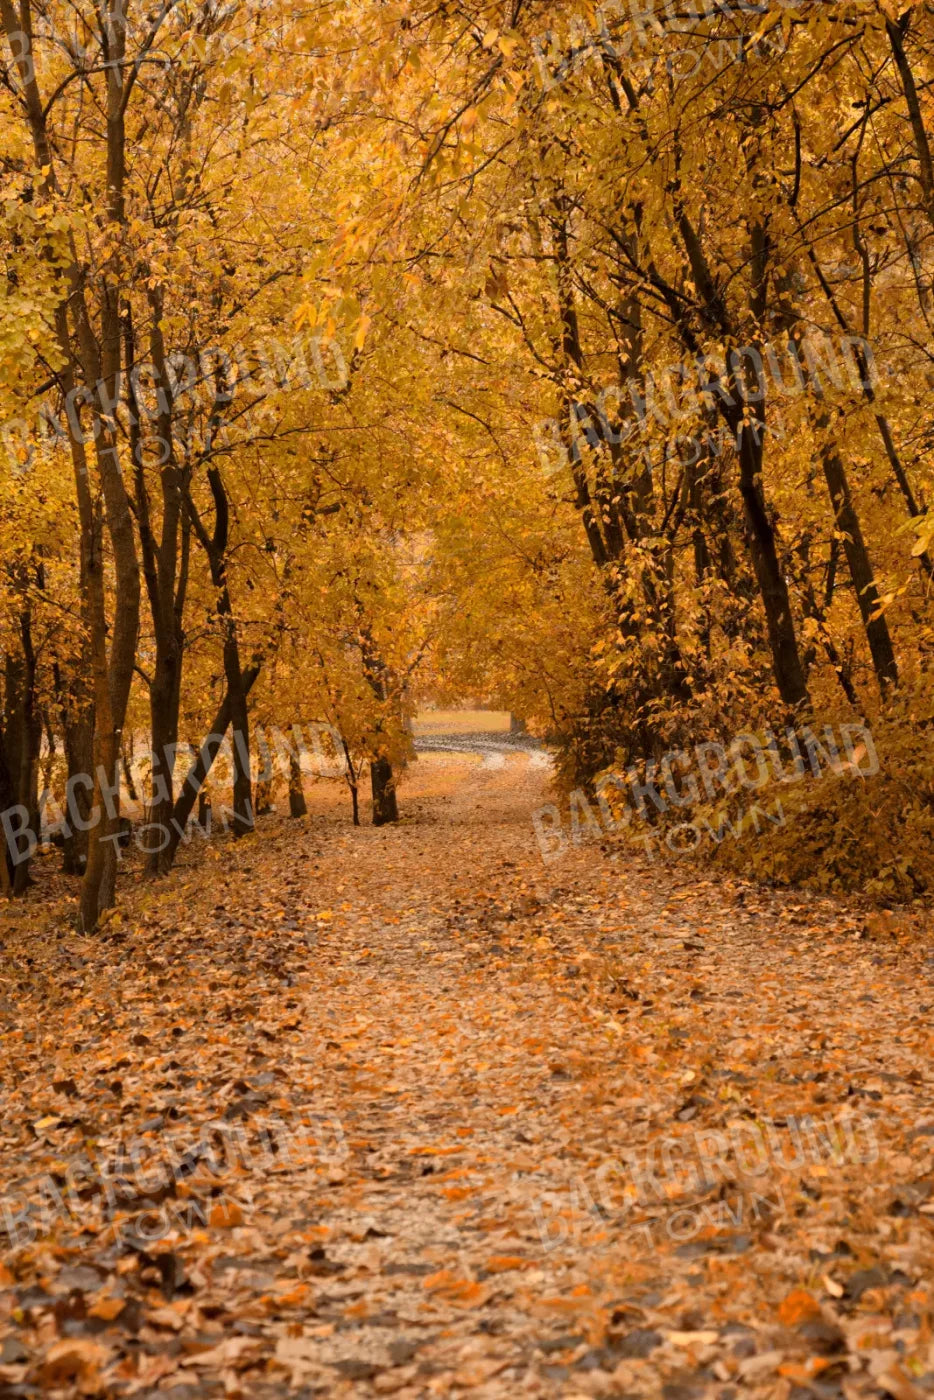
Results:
x,y
193,783
165,570
385,806
773,590
298,807
215,548
91,356
28,729
848,525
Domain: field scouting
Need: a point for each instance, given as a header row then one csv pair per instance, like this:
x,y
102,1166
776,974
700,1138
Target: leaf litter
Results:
x,y
404,1111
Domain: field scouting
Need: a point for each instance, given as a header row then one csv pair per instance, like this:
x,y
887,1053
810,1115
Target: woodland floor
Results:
x,y
468,1036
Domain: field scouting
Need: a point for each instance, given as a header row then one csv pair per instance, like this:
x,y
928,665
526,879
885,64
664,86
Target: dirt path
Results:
x,y
407,1112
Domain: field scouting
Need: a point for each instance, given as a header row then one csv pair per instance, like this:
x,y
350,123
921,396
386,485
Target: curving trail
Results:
x,y
405,1112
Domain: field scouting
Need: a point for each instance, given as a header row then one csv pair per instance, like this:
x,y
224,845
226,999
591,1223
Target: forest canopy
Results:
x,y
360,357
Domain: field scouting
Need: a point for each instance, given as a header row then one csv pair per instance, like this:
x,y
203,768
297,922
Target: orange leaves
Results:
x,y
803,1372
799,1306
451,1192
293,1295
107,1308
504,1263
225,1214
76,1362
462,1292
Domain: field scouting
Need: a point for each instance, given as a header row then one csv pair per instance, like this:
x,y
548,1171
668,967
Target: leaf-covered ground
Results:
x,y
405,1112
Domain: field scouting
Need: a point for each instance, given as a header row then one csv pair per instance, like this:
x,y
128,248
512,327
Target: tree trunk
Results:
x,y
385,806
165,570
9,860
240,731
215,548
30,731
896,30
77,716
786,660
858,562
126,766
263,797
7,793
749,435
100,359
163,719
202,766
818,611
113,678
352,782
91,355
297,804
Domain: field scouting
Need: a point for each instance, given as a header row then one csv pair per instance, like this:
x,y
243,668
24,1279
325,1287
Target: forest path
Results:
x,y
405,1111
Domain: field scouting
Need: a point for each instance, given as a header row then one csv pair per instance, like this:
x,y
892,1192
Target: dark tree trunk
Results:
x,y
30,727
215,548
193,783
21,742
818,611
163,719
297,804
749,433
352,782
77,716
165,570
382,778
126,765
860,566
240,732
385,806
7,801
783,643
